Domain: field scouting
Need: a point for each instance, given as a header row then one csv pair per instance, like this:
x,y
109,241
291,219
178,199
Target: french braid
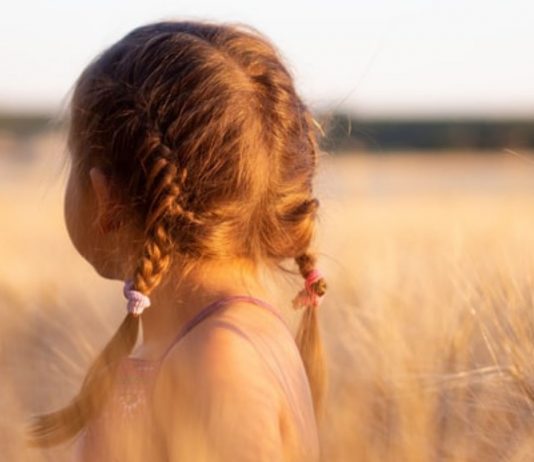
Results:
x,y
163,195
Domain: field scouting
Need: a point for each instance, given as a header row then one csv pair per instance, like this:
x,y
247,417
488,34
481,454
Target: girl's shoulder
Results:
x,y
224,380
237,343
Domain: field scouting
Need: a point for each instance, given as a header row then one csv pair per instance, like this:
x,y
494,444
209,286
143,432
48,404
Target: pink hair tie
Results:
x,y
308,297
137,301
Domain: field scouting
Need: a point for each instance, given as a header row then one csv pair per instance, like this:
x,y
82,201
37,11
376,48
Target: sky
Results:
x,y
377,58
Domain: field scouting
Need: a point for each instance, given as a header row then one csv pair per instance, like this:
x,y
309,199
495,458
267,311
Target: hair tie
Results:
x,y
308,297
137,301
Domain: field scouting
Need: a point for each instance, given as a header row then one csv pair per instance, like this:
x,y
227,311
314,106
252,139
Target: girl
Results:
x,y
192,165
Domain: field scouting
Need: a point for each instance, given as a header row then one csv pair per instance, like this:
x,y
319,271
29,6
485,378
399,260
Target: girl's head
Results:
x,y
196,132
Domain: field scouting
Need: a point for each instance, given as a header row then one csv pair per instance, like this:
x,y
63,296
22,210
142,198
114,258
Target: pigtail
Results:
x,y
308,336
56,427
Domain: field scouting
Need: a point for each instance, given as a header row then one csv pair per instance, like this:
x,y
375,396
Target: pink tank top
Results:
x,y
128,411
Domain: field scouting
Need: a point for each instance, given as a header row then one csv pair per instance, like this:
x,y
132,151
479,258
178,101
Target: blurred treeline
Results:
x,y
346,132
349,133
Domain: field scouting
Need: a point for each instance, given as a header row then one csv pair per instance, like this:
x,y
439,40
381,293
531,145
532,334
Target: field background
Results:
x,y
428,321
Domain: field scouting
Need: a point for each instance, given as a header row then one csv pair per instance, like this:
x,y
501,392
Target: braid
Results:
x,y
162,193
155,260
296,210
166,194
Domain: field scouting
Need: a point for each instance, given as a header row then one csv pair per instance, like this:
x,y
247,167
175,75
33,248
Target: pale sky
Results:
x,y
375,58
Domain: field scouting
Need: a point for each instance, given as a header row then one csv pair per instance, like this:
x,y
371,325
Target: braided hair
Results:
x,y
214,152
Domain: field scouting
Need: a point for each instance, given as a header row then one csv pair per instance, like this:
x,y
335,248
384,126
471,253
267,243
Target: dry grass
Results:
x,y
428,324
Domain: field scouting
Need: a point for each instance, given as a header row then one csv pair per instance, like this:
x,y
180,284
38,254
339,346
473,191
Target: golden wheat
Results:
x,y
428,322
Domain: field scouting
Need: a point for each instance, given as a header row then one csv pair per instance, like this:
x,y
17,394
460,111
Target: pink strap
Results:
x,y
307,297
137,301
216,305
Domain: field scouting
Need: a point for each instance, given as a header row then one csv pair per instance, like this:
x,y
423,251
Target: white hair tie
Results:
x,y
137,301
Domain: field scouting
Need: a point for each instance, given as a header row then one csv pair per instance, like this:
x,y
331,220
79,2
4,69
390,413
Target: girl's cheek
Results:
x,y
73,214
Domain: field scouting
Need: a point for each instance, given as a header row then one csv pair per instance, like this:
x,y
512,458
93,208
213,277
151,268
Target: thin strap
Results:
x,y
214,306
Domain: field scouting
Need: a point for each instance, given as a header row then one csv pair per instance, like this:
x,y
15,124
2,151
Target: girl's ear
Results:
x,y
106,206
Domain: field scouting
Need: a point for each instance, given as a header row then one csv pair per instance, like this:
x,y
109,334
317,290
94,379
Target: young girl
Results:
x,y
192,165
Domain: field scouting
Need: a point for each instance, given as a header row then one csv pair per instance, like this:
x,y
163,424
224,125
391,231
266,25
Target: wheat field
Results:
x,y
428,323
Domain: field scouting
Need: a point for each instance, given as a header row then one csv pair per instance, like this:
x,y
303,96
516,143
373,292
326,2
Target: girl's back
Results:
x,y
127,427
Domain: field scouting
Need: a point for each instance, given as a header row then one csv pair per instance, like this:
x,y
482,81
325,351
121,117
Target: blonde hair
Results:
x,y
214,151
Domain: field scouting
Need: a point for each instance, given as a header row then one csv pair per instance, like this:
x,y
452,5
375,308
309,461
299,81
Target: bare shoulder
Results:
x,y
216,387
226,348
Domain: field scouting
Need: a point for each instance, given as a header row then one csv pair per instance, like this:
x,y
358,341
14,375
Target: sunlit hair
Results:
x,y
200,126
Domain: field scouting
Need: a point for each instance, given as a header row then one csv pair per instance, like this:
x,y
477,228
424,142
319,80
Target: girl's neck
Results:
x,y
180,297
